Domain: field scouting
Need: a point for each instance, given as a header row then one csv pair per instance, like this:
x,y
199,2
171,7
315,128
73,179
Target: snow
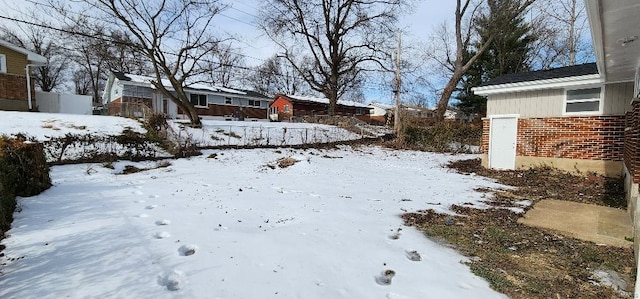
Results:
x,y
147,81
221,133
43,126
327,226
326,101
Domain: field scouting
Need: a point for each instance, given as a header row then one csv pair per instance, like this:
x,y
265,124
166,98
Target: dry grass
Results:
x,y
528,262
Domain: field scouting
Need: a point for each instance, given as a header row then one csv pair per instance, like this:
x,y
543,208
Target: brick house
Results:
x,y
17,90
134,95
564,117
584,117
285,107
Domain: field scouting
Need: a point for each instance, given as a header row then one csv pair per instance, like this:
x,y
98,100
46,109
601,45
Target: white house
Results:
x,y
134,95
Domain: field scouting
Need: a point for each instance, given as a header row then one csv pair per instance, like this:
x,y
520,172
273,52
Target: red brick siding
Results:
x,y
484,147
14,87
591,138
222,110
632,142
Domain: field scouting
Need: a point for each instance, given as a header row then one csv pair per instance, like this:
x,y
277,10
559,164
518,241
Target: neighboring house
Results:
x,y
458,115
285,107
134,95
383,113
17,90
380,112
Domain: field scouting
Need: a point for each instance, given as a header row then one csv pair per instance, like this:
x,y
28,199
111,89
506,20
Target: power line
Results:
x,y
111,40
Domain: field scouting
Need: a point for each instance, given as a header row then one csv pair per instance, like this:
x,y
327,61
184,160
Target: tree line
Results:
x,y
331,48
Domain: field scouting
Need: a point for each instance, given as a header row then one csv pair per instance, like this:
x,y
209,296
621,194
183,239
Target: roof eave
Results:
x,y
538,84
594,14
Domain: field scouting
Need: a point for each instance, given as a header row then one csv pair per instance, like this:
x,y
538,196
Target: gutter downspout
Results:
x,y
29,82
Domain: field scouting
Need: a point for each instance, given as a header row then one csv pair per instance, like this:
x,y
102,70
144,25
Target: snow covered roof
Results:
x,y
326,101
166,83
381,106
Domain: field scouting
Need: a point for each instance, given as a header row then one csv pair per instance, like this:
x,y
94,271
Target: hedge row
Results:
x,y
23,172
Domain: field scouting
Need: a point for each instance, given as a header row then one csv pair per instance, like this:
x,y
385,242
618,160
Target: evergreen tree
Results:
x,y
509,52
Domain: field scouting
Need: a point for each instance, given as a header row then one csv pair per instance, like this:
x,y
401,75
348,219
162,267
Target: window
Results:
x,y
636,84
583,101
254,103
198,99
227,101
3,63
286,108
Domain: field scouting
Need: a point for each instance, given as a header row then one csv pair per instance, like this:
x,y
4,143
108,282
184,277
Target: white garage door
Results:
x,y
503,132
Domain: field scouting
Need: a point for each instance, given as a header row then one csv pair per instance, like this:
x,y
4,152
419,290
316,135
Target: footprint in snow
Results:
x,y
161,235
396,234
143,215
140,201
413,255
154,196
395,296
187,250
151,207
385,277
173,280
138,192
163,222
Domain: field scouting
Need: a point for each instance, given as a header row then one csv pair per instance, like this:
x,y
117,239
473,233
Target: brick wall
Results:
x,y
632,142
14,87
484,146
591,138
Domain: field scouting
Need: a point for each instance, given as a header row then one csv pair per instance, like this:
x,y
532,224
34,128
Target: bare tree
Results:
x,y
225,66
275,76
561,26
172,34
43,42
332,42
82,82
459,63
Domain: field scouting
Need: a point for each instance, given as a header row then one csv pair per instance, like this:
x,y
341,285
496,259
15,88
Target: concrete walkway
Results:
x,y
602,225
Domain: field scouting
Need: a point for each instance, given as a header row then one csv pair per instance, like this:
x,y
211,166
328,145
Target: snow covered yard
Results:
x,y
243,133
231,226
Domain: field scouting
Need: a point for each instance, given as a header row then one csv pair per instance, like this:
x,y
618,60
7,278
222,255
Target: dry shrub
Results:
x,y
451,137
23,172
286,162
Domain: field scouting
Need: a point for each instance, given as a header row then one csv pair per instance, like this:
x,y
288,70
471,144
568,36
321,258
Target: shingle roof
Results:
x,y
561,72
326,101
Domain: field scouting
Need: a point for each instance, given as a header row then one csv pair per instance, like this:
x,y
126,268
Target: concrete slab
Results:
x,y
602,225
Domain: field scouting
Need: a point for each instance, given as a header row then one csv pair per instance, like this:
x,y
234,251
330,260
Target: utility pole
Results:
x,y
397,124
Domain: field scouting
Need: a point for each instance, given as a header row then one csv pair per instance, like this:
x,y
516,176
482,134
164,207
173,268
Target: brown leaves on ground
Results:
x,y
529,262
550,183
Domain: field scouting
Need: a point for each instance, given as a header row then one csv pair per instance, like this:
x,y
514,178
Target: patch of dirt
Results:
x,y
550,183
129,169
528,262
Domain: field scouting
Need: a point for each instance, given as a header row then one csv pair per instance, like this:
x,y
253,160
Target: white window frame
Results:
x,y
636,84
3,63
600,101
206,100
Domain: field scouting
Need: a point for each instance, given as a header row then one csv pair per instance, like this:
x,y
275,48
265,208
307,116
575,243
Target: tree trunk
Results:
x,y
443,102
191,112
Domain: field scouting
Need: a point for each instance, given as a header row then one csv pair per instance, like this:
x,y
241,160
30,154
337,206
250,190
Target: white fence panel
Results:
x,y
64,103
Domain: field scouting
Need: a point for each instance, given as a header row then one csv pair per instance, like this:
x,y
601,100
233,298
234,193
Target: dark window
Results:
x,y
227,101
198,99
